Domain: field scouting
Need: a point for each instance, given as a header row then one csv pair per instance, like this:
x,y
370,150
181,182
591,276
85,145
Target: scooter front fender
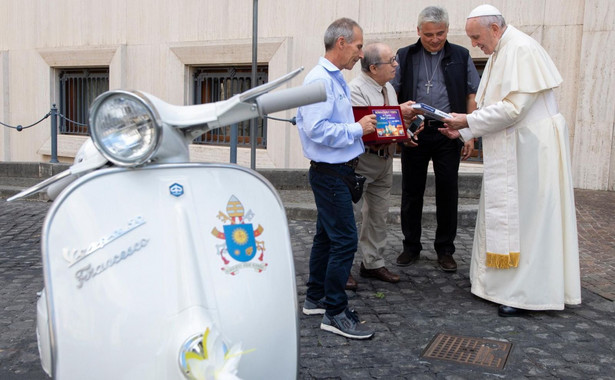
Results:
x,y
137,261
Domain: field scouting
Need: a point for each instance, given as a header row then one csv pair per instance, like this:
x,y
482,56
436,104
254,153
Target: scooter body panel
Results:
x,y
136,261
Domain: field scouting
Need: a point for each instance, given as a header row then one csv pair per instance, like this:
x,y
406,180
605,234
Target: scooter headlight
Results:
x,y
125,128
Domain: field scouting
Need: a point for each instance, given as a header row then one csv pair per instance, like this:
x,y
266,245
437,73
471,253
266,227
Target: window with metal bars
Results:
x,y
212,84
477,154
78,89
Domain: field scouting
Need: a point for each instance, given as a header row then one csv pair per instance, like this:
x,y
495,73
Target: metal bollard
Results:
x,y
233,148
54,134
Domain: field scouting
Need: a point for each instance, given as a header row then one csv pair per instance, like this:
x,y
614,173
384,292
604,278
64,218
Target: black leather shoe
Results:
x,y
509,311
406,258
351,284
447,263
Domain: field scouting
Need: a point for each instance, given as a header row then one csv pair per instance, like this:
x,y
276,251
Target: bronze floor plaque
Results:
x,y
474,351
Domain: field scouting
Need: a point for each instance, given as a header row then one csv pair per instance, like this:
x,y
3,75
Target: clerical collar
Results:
x,y
433,53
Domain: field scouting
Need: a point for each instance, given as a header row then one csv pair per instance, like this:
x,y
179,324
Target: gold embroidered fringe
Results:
x,y
499,261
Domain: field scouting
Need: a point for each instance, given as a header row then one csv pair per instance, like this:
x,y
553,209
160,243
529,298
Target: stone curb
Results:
x,y
292,185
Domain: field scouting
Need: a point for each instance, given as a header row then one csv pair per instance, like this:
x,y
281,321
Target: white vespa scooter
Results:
x,y
157,268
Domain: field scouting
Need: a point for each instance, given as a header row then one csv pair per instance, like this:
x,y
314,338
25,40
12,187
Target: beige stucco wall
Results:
x,y
150,45
594,143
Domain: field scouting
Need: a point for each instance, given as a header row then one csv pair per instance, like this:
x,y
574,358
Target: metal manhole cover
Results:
x,y
474,351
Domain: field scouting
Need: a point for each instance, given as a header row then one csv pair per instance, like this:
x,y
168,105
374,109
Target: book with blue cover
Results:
x,y
431,112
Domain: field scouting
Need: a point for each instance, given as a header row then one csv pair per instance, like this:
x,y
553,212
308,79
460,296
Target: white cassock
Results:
x,y
525,251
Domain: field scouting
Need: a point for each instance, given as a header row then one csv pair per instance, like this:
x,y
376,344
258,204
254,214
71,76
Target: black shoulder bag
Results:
x,y
354,181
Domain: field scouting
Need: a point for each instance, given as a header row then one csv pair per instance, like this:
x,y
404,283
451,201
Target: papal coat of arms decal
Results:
x,y
240,249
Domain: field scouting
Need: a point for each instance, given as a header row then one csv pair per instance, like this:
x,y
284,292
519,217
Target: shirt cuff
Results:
x,y
358,130
466,134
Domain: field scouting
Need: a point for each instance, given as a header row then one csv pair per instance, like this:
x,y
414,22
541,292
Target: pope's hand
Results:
x,y
457,121
450,133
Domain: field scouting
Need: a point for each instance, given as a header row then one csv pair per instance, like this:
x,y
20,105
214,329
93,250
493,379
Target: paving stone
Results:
x,y
578,342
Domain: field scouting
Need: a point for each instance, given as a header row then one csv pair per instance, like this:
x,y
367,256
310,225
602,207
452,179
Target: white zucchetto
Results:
x,y
484,10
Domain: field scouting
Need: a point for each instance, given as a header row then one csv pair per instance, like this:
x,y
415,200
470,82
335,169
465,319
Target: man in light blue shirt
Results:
x,y
331,140
327,130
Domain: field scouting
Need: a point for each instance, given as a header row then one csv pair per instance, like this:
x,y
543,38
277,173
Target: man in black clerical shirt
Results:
x,y
442,75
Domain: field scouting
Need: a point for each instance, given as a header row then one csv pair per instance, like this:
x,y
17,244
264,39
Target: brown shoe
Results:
x,y
447,263
351,284
406,258
381,274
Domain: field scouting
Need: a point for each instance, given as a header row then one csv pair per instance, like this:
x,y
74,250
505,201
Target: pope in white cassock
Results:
x,y
525,254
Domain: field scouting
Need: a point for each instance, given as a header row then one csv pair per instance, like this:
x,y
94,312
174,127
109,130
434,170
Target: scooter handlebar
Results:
x,y
291,98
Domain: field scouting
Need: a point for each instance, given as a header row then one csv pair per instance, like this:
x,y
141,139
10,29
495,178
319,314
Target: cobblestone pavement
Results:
x,y
21,278
596,225
578,342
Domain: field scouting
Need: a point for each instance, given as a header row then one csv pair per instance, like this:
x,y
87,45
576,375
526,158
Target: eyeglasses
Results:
x,y
390,62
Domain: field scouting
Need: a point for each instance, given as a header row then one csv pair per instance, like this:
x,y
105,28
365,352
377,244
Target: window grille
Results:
x,y
212,84
78,89
477,155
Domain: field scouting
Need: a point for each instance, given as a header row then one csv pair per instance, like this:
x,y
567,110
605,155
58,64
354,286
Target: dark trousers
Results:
x,y
445,155
335,242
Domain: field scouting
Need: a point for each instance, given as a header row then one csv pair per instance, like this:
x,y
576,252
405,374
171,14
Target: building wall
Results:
x,y
151,44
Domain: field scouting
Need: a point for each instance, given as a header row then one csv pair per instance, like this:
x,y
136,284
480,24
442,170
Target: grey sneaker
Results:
x,y
313,307
346,324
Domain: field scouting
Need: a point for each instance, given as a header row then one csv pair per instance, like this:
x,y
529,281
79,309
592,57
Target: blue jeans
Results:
x,y
335,242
